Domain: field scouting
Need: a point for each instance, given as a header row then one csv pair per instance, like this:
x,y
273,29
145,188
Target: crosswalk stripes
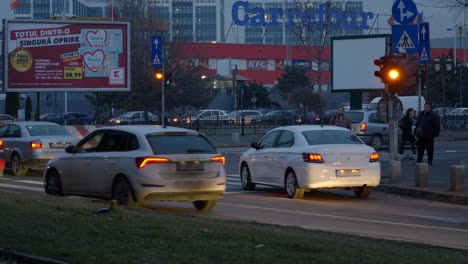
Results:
x,y
233,180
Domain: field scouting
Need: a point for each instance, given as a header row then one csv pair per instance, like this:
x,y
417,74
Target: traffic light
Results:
x,y
168,79
391,69
158,75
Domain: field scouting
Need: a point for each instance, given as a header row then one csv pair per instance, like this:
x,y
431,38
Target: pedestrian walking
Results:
x,y
406,126
340,119
427,128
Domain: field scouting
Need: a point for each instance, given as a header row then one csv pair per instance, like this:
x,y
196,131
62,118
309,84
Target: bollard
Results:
x,y
235,138
395,167
457,173
2,166
421,175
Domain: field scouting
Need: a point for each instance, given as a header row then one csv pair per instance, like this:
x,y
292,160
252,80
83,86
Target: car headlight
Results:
x,y
117,121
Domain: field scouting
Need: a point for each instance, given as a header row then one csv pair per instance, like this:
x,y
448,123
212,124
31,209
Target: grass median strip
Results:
x,y
71,230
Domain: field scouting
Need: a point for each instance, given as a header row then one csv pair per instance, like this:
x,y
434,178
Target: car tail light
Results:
x,y
363,127
1,144
35,144
374,157
143,161
312,157
221,159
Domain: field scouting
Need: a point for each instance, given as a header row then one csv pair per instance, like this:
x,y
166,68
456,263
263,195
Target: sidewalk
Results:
x,y
438,176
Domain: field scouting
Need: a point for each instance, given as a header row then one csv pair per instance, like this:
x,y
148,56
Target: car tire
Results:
x,y
122,193
246,180
53,184
363,192
17,166
204,206
376,142
292,187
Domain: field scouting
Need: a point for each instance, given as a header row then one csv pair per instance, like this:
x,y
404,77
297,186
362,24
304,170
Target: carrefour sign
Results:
x,y
243,14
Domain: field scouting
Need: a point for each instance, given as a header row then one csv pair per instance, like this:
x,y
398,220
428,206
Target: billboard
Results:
x,y
353,62
43,55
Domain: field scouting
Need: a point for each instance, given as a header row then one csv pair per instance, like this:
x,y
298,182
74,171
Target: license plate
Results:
x,y
59,144
348,173
189,166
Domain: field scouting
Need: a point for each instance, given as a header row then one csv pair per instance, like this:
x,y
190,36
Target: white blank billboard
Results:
x,y
353,62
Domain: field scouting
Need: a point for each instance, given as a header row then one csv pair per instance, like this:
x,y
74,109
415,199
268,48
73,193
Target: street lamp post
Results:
x,y
444,75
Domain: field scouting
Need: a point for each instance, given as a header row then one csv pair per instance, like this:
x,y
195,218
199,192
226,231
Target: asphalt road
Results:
x,y
382,215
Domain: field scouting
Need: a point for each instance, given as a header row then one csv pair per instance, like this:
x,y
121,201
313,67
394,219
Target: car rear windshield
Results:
x,y
326,137
354,117
180,144
47,130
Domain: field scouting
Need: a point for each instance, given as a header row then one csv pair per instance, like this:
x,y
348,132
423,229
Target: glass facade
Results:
x,y
182,21
205,25
205,20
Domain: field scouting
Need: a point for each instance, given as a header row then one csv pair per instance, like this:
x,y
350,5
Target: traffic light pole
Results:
x,y
163,100
395,164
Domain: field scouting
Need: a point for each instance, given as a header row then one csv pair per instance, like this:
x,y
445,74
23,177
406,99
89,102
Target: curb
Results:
x,y
423,193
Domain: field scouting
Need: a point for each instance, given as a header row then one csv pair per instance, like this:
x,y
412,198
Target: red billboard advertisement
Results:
x,y
66,56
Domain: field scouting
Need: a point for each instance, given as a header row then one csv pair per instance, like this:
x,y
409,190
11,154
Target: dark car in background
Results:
x,y
68,118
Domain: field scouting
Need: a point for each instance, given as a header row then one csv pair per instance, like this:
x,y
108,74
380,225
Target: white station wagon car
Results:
x,y
303,158
140,163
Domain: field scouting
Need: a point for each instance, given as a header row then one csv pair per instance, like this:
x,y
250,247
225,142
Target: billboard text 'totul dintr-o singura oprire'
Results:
x,y
66,56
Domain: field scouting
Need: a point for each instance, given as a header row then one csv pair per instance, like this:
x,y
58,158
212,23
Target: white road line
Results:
x,y
289,212
21,187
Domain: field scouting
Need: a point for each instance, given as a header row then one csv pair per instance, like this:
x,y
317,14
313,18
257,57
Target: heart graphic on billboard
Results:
x,y
96,38
94,61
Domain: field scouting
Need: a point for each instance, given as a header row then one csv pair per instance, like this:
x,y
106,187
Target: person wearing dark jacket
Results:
x,y
406,126
427,128
340,119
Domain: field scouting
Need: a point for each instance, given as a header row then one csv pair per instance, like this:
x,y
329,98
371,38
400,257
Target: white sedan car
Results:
x,y
141,163
304,158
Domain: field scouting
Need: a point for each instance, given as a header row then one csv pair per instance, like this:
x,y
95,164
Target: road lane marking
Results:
x,y
345,217
441,218
21,187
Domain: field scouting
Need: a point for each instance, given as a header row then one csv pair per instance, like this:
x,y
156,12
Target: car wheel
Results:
x,y
204,206
363,192
246,180
53,184
291,186
376,142
122,193
17,166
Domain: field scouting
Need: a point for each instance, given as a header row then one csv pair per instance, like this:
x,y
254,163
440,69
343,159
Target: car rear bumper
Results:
x,y
321,177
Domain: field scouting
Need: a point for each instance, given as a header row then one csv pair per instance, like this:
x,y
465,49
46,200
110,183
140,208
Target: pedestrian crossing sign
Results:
x,y
405,38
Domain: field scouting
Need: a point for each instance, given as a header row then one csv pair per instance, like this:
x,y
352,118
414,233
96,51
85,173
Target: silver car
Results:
x,y
138,164
29,145
367,126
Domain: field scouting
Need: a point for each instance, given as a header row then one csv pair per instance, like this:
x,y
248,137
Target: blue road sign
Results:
x,y
424,48
404,11
405,38
156,51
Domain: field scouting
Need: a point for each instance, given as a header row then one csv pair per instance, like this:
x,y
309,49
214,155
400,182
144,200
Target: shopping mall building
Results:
x,y
258,37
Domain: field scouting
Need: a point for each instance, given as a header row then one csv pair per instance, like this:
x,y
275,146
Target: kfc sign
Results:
x,y
257,64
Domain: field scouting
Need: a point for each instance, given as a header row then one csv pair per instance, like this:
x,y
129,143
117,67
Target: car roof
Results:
x,y
146,129
302,128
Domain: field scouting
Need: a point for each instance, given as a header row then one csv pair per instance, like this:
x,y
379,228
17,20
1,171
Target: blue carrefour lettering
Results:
x,y
243,14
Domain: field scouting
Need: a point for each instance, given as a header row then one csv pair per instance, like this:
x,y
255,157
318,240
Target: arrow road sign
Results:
x,y
424,48
405,38
404,11
156,51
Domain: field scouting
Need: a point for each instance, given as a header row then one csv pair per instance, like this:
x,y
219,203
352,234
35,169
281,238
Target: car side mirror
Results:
x,y
254,145
70,149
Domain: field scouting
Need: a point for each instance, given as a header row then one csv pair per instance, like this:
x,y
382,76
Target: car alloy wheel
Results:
x,y
122,192
376,142
246,179
363,192
204,206
53,184
17,166
292,187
